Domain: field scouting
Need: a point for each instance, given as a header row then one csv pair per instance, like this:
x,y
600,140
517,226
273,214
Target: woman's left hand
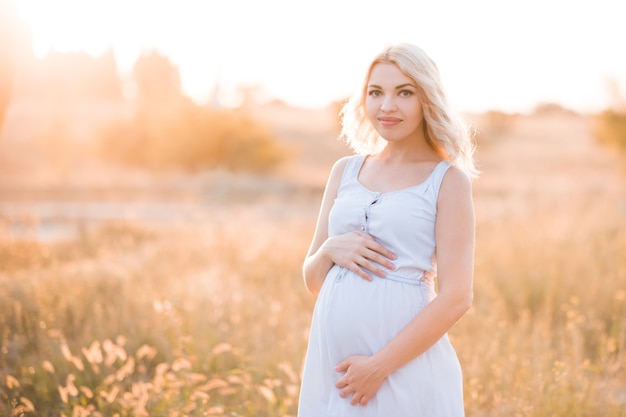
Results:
x,y
362,378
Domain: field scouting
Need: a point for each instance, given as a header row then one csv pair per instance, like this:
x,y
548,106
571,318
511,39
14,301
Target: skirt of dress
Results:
x,y
353,316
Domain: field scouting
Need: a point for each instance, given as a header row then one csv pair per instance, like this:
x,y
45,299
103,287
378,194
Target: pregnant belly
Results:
x,y
360,317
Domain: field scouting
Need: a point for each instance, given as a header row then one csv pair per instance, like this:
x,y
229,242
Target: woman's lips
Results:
x,y
389,121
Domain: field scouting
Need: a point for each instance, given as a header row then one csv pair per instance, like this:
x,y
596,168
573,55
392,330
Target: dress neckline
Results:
x,y
399,190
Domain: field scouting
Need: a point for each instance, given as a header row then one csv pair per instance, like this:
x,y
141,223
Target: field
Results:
x,y
132,294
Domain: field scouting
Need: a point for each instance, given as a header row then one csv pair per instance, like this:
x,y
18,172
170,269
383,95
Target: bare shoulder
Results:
x,y
334,179
338,167
456,186
454,177
341,163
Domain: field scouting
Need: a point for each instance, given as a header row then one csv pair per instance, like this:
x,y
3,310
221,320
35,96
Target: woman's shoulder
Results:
x,y
456,177
344,160
455,183
339,170
340,165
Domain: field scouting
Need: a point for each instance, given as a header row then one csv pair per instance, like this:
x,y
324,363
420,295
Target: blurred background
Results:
x,y
161,167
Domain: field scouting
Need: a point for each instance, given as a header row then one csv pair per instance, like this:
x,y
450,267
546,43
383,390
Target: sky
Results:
x,y
492,54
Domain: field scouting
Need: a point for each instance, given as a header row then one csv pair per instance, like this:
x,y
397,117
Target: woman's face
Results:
x,y
392,104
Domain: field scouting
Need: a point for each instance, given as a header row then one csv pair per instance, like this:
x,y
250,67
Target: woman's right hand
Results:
x,y
357,251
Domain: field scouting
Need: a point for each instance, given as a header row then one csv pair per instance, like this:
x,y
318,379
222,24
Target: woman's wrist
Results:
x,y
383,364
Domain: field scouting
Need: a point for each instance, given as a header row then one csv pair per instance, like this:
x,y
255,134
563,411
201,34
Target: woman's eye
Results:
x,y
374,93
405,93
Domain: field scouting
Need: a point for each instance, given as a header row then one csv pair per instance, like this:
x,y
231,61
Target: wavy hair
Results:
x,y
446,132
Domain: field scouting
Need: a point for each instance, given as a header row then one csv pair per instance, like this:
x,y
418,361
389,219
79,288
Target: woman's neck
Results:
x,y
396,152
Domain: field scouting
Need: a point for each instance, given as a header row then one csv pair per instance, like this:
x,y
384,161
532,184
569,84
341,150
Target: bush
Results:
x,y
610,128
183,135
491,126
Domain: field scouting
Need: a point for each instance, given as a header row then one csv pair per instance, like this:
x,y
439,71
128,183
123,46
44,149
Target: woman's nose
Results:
x,y
388,103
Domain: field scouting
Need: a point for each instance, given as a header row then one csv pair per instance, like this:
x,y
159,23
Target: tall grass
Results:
x,y
186,322
547,333
212,320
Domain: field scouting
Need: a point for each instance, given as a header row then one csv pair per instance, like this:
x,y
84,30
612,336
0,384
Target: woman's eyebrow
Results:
x,y
405,85
397,87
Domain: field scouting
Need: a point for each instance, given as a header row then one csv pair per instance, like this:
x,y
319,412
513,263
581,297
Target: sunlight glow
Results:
x,y
491,54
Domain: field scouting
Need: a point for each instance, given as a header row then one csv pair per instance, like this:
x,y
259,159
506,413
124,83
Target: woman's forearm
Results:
x,y
423,331
315,268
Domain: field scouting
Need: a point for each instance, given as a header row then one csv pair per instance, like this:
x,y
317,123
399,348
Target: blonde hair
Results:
x,y
446,132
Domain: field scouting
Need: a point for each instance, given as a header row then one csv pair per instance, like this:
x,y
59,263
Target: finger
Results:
x,y
364,400
357,270
342,367
356,399
382,251
383,261
371,257
374,269
383,258
380,254
345,392
365,236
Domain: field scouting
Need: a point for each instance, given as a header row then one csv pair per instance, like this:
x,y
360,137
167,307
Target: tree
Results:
x,y
157,79
8,35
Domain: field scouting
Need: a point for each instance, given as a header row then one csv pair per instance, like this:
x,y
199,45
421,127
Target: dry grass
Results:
x,y
209,317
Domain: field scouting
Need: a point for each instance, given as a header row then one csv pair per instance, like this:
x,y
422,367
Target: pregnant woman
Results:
x,y
392,255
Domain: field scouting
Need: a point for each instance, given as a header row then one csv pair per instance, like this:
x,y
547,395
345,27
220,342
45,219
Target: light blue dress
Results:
x,y
355,316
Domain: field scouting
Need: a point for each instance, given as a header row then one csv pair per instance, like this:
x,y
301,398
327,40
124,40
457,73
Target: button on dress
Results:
x,y
353,316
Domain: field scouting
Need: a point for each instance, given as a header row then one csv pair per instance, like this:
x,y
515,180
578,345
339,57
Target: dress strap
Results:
x,y
436,178
352,168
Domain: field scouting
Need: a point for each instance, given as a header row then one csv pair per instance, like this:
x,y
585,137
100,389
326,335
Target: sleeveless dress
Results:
x,y
355,316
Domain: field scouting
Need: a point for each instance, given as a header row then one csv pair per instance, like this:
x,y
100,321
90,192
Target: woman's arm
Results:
x,y
317,263
454,230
